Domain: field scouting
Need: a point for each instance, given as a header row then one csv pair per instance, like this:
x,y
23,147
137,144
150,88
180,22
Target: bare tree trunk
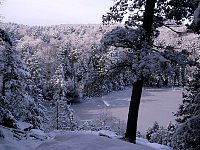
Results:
x,y
131,129
148,18
3,86
133,111
57,115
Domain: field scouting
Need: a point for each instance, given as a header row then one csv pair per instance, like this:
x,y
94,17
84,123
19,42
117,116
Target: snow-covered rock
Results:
x,y
107,133
38,134
24,125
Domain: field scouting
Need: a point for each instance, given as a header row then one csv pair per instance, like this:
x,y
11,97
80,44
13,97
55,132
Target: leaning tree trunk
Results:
x,y
131,129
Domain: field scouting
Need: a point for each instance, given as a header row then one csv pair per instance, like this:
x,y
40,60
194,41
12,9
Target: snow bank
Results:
x,y
156,146
76,140
83,141
10,143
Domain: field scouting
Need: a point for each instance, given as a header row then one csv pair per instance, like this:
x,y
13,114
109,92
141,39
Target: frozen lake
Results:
x,y
156,105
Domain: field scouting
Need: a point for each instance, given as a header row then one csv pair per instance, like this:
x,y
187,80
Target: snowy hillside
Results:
x,y
74,45
82,140
46,70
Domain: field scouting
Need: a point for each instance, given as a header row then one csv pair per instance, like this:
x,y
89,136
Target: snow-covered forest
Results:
x,y
59,62
86,71
45,70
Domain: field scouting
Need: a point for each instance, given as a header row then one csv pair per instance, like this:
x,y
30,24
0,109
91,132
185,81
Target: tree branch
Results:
x,y
177,32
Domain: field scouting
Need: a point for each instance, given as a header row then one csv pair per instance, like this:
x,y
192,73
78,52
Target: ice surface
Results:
x,y
106,103
156,105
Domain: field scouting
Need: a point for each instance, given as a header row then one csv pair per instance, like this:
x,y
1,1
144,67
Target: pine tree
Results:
x,y
37,79
187,135
16,102
143,17
68,59
61,115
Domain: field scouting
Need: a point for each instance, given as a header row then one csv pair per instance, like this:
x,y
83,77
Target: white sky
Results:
x,y
53,12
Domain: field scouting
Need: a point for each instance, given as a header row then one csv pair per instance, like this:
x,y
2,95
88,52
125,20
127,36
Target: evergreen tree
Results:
x,y
187,135
37,79
144,16
16,102
139,39
61,115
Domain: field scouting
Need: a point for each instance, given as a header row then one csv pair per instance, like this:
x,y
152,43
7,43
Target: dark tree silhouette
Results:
x,y
146,16
138,84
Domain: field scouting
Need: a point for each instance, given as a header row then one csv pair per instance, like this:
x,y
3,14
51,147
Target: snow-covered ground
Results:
x,y
156,105
77,140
